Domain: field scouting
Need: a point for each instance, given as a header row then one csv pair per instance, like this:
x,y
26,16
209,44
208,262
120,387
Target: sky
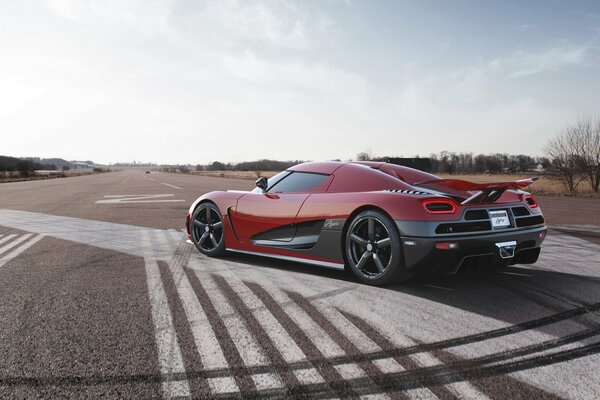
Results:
x,y
191,81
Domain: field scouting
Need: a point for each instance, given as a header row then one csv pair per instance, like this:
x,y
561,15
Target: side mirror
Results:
x,y
262,183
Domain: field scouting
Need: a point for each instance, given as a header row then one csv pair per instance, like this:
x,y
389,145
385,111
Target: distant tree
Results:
x,y
199,167
66,168
25,167
365,156
563,150
216,166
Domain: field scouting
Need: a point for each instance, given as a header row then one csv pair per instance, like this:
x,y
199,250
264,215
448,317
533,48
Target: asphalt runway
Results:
x,y
101,296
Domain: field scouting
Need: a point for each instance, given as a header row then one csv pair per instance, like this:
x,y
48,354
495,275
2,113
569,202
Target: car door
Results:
x,y
271,215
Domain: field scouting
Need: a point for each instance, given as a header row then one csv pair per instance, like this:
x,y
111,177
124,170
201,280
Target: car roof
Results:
x,y
318,167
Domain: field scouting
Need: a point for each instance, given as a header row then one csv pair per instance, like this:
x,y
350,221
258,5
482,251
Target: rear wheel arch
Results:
x,y
395,270
353,215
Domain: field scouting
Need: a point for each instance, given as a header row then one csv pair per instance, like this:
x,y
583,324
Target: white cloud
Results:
x,y
523,63
276,23
146,16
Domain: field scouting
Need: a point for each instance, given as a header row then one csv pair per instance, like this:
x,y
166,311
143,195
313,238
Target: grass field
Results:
x,y
547,185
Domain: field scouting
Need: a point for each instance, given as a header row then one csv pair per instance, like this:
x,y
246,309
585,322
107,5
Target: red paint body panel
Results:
x,y
258,212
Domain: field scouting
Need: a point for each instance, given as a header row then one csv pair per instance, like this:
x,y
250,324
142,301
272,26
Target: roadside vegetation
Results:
x,y
13,169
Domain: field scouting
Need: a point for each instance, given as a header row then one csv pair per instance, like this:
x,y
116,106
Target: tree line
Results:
x,y
28,165
469,163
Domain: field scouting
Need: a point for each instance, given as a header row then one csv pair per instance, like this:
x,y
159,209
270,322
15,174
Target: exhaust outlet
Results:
x,y
507,249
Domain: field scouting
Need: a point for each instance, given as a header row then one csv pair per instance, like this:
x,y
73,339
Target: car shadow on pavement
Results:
x,y
515,295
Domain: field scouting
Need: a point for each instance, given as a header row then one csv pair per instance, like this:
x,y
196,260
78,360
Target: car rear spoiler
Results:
x,y
485,192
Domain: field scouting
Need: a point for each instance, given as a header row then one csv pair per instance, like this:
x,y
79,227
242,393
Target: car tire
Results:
x,y
373,251
208,231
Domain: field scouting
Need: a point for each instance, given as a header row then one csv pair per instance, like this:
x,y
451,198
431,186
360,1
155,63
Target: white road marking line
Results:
x,y
7,238
245,343
286,346
267,381
221,385
106,235
171,186
288,349
170,360
248,348
206,341
309,376
463,390
7,257
359,339
137,198
14,243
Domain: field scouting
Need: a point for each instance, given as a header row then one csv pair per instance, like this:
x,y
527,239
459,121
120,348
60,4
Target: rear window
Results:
x,y
298,182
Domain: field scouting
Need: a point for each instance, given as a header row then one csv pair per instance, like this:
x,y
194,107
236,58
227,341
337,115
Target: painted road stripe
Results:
x,y
261,334
170,360
171,186
137,198
7,238
348,371
285,349
355,335
407,362
6,258
246,344
207,344
238,369
14,243
332,377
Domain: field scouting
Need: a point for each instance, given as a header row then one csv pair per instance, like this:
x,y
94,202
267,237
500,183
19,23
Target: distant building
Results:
x,y
422,164
81,165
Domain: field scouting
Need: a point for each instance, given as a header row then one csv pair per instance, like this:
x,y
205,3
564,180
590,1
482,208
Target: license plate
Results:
x,y
499,219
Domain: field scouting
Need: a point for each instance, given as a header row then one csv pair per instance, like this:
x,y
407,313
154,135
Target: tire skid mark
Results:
x,y
496,384
433,375
527,350
409,364
289,378
371,369
545,293
330,374
191,357
241,373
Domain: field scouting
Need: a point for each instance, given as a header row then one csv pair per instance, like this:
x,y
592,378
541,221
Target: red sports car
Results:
x,y
385,222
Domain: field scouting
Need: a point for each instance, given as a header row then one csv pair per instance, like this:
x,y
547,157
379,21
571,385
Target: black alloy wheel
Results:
x,y
372,249
207,230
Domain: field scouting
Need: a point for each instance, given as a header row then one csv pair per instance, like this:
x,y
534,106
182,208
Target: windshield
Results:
x,y
273,180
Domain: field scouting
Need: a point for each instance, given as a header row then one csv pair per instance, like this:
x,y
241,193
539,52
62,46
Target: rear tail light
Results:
x,y
530,201
446,245
439,206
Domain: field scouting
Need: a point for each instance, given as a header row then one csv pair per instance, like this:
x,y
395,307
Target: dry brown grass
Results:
x,y
547,185
15,176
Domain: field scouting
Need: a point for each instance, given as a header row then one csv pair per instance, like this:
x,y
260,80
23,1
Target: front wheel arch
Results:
x,y
220,249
